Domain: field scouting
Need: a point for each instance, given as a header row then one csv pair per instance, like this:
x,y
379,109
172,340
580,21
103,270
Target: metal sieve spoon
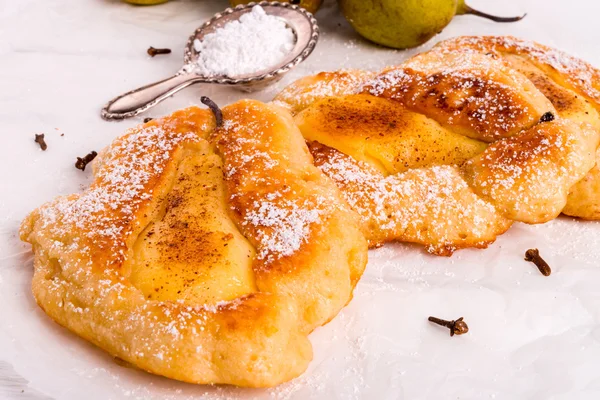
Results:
x,y
302,23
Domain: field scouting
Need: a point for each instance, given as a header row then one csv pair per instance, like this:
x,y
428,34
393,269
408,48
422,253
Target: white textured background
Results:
x,y
531,337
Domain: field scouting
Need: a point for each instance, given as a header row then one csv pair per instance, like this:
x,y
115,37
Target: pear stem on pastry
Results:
x,y
214,108
465,9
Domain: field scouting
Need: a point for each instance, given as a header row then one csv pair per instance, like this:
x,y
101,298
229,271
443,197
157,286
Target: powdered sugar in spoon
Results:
x,y
301,22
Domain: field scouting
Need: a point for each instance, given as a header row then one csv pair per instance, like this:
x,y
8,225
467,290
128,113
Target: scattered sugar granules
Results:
x,y
254,43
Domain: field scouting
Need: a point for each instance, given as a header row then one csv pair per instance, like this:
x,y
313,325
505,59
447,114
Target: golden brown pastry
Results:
x,y
432,206
300,94
514,124
202,254
571,84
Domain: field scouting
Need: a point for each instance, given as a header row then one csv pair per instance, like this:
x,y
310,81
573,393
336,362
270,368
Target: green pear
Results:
x,y
406,23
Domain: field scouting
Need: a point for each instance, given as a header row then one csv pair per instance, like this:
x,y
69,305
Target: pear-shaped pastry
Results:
x,y
202,253
450,147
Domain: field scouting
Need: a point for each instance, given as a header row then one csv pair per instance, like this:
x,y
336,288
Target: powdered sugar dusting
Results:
x,y
104,212
432,205
287,224
303,92
528,176
254,43
578,73
472,92
277,218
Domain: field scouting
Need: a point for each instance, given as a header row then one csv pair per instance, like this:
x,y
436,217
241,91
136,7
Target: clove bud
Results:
x,y
457,327
153,52
81,163
533,255
547,117
39,139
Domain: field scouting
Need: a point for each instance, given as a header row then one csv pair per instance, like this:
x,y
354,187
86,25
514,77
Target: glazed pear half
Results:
x,y
403,24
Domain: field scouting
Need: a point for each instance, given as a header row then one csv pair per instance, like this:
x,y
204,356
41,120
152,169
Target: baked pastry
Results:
x,y
450,147
205,254
305,91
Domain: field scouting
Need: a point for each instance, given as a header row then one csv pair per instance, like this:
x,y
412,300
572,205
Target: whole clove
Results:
x,y
533,255
153,52
39,139
81,163
547,117
148,119
214,108
457,327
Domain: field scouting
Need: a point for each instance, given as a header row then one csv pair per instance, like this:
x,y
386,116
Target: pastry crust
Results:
x,y
469,93
516,123
303,92
431,206
567,70
571,84
202,254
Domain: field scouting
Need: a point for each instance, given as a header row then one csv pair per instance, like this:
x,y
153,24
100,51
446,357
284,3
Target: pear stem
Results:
x,y
495,18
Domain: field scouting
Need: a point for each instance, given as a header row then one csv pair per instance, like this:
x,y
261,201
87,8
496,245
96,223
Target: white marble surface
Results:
x,y
531,337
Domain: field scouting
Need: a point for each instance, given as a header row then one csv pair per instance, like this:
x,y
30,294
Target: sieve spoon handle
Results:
x,y
139,100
